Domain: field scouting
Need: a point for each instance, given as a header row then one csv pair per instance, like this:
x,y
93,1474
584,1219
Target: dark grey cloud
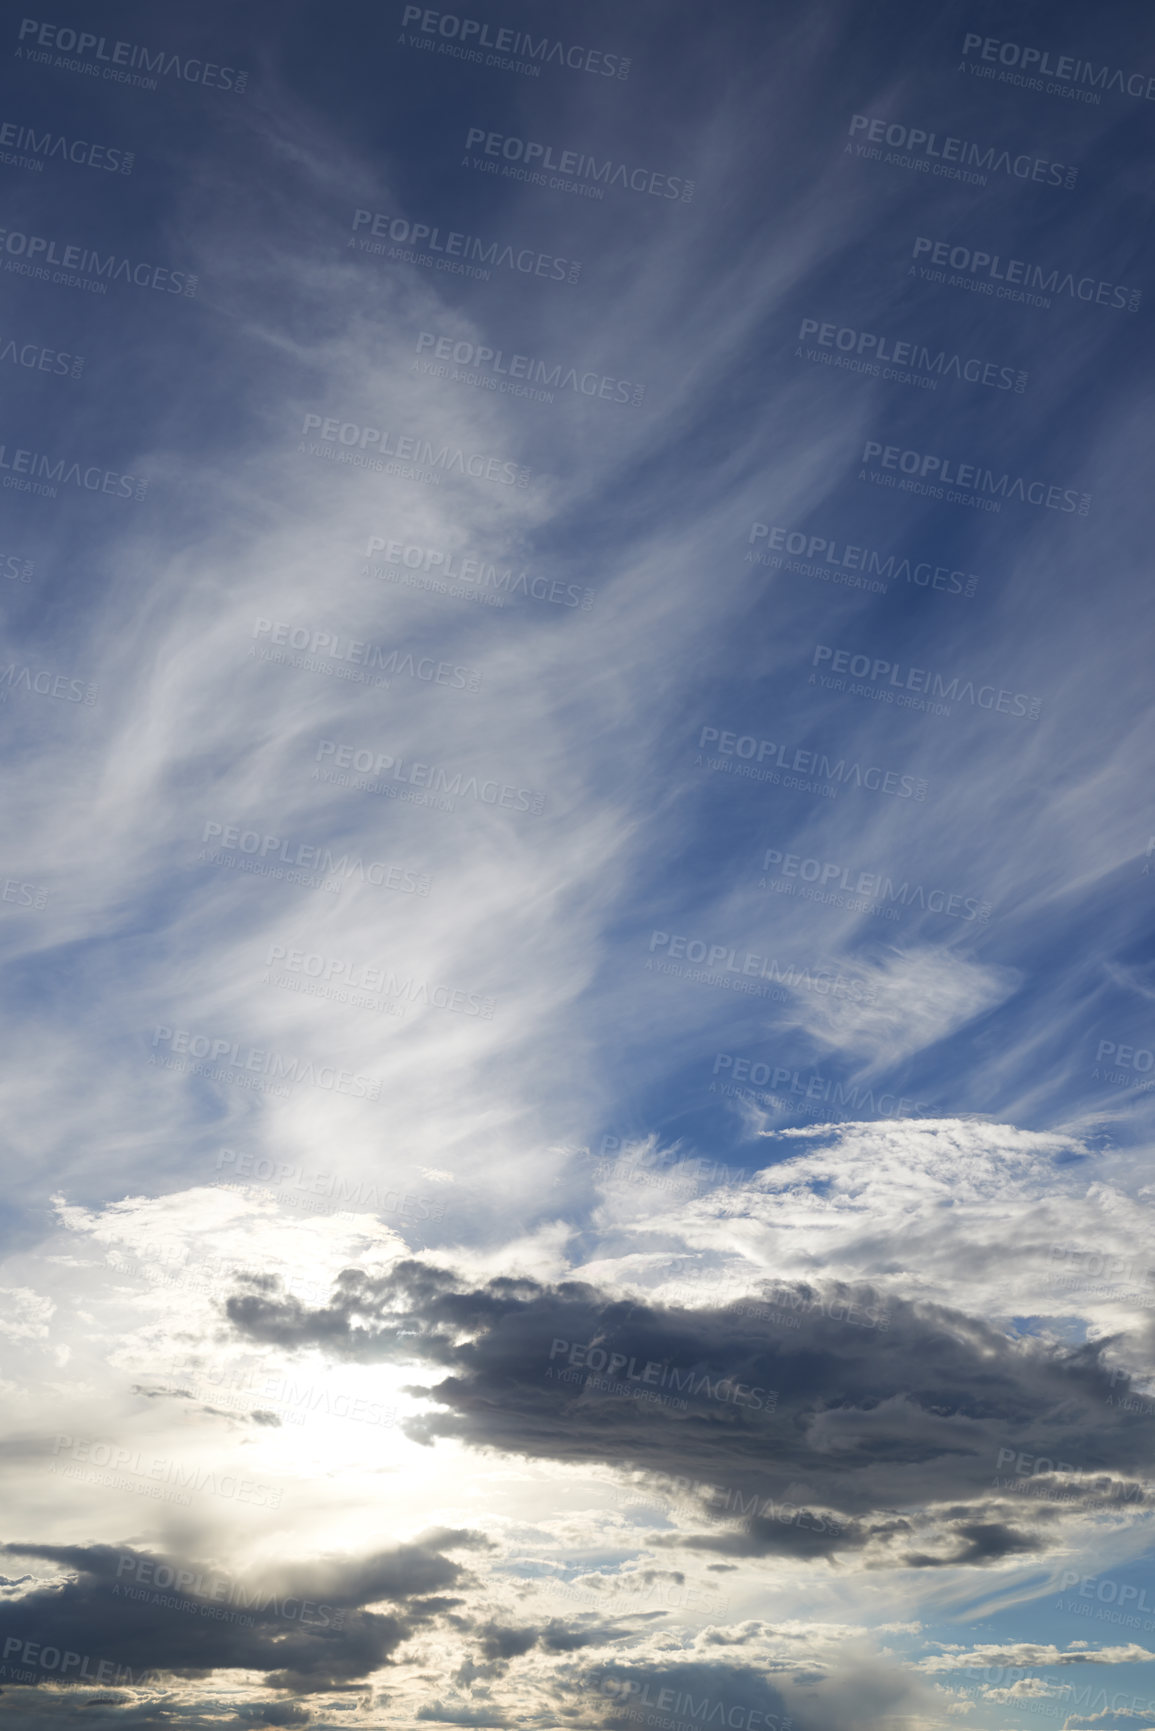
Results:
x,y
303,1625
730,1696
50,1710
867,1421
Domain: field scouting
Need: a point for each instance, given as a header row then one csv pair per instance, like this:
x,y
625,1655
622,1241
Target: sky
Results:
x,y
578,866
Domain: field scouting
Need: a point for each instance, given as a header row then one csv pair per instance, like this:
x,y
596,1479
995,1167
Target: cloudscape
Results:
x,y
578,867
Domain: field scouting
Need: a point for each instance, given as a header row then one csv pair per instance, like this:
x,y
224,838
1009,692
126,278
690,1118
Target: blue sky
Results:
x,y
576,643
